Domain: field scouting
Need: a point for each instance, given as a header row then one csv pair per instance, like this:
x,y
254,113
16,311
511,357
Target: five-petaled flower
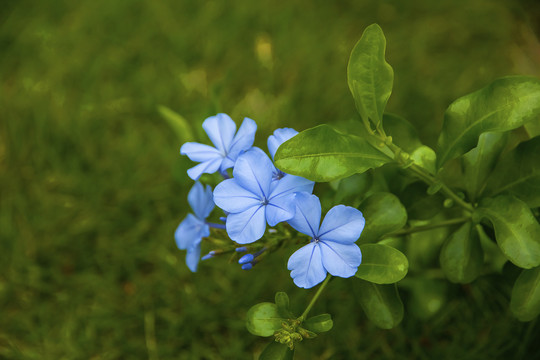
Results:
x,y
332,248
193,228
252,199
221,131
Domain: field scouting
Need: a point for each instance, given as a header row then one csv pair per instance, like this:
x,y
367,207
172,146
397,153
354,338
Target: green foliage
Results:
x,y
480,161
518,173
461,256
381,303
516,230
282,303
263,319
384,213
318,324
505,104
525,300
370,77
179,125
324,154
277,351
382,264
403,133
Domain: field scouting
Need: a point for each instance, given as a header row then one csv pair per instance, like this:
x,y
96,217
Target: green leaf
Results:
x,y
518,173
516,230
403,133
263,319
324,154
276,351
525,299
384,213
282,303
318,324
419,205
370,77
494,259
461,256
425,157
480,161
382,264
179,125
505,104
381,303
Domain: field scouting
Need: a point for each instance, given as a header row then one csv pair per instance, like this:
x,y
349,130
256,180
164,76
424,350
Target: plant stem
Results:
x,y
314,299
427,227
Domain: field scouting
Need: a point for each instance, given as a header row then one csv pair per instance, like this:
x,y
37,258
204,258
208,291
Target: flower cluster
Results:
x,y
258,194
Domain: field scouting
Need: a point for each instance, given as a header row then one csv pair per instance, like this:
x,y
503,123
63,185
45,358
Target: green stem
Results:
x,y
427,227
314,299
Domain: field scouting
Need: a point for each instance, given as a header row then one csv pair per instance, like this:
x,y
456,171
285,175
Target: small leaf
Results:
x,y
525,299
403,132
318,324
518,173
276,351
370,77
382,264
461,256
479,162
282,303
381,303
505,104
516,230
263,319
384,213
179,125
324,154
425,157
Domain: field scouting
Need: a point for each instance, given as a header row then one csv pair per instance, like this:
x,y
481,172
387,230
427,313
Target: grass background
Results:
x,y
92,186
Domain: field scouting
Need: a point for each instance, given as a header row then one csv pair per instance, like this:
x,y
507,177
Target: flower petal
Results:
x,y
278,138
233,198
253,171
201,200
220,129
340,259
342,224
247,226
200,152
290,184
306,265
308,214
193,256
280,208
243,139
208,167
190,231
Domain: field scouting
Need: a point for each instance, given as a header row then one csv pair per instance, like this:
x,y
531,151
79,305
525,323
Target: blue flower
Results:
x,y
332,248
221,131
193,228
252,199
274,141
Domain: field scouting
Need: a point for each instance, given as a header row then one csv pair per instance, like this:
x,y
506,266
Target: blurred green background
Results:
x,y
92,185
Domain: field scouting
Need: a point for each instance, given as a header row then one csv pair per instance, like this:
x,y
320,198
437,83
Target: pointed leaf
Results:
x,y
525,299
384,213
382,264
370,77
324,154
381,303
461,256
263,319
276,351
505,104
480,161
518,173
282,303
179,125
318,324
516,230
